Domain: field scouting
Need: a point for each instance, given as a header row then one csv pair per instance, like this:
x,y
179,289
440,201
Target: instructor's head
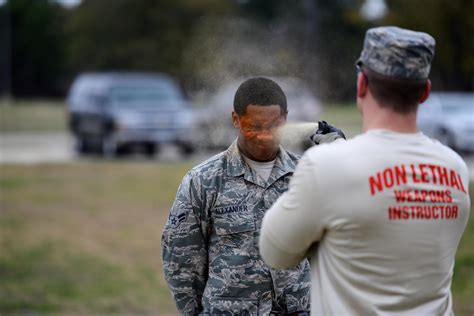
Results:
x,y
394,66
259,110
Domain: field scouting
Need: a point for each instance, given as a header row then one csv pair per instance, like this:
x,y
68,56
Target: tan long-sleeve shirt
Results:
x,y
381,217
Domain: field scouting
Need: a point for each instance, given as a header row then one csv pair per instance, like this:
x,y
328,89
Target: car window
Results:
x,y
143,94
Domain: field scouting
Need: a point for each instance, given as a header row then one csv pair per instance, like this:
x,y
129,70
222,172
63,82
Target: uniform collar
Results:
x,y
236,166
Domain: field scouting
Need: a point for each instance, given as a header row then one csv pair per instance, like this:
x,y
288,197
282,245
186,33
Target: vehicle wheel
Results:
x,y
109,147
150,149
187,150
82,145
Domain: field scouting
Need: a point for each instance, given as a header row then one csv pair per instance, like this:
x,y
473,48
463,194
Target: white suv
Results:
x,y
449,117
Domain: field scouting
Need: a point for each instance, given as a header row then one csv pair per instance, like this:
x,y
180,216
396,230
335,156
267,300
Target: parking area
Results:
x,y
52,147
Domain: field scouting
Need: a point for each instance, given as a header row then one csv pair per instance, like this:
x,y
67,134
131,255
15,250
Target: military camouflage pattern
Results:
x,y
399,53
211,259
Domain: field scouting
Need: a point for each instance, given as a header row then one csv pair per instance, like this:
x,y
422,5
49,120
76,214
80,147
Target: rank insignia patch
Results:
x,y
175,220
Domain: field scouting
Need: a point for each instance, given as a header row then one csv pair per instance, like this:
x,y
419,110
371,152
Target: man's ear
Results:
x,y
362,85
426,92
235,120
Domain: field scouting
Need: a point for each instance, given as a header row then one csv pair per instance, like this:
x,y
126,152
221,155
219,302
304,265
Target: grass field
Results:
x,y
83,238
28,116
345,116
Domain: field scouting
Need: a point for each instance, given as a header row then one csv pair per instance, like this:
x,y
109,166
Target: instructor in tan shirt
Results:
x,y
380,215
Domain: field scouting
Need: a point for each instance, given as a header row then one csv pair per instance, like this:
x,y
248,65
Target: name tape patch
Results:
x,y
231,209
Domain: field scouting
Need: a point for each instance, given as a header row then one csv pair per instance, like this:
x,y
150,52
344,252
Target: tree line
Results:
x,y
203,43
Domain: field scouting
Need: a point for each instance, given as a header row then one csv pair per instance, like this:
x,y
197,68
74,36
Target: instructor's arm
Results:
x,y
289,226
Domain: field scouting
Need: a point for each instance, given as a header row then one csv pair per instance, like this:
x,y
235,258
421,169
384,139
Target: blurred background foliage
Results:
x,y
46,44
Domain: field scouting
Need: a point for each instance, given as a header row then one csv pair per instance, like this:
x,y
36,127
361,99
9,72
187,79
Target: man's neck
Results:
x,y
375,117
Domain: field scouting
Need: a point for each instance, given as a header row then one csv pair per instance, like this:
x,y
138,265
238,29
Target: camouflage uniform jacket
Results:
x,y
210,242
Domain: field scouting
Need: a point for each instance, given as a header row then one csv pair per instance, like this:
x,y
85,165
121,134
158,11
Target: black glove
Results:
x,y
326,133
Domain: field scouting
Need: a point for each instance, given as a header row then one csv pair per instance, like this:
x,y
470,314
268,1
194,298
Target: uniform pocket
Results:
x,y
232,223
232,306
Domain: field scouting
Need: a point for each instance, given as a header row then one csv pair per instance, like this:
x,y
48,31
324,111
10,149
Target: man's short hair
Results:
x,y
402,96
259,91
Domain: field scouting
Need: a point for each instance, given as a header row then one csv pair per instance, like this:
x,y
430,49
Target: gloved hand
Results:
x,y
326,133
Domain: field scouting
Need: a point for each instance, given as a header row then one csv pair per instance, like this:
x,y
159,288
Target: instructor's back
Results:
x,y
380,215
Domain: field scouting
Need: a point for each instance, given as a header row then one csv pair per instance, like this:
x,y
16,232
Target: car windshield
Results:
x,y
131,95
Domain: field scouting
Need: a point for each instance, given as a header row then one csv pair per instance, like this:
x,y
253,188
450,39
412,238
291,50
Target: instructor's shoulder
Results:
x,y
336,152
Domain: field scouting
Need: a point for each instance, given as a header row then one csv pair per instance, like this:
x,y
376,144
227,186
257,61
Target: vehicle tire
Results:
x,y
82,145
187,150
150,149
109,147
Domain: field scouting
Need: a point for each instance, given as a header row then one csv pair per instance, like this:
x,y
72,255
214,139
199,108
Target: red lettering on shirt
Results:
x,y
461,184
400,174
426,212
454,180
421,173
375,183
414,175
387,179
443,175
424,174
433,174
432,196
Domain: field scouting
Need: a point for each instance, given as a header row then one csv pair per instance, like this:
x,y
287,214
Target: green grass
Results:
x,y
83,238
20,116
345,116
463,279
51,274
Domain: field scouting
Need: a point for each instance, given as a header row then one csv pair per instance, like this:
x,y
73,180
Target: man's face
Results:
x,y
258,127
